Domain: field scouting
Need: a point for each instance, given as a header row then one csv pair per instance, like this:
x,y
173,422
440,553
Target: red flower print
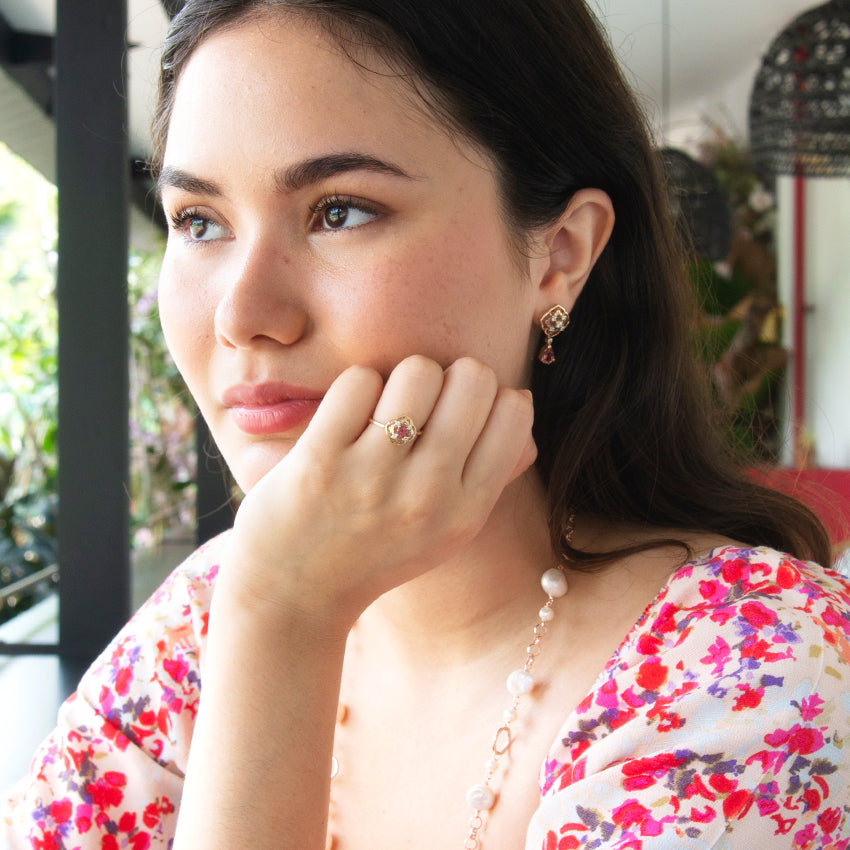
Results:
x,y
787,576
648,644
709,589
47,842
122,681
147,718
737,804
61,810
722,783
734,570
107,791
666,621
569,842
176,668
833,618
109,842
830,819
812,799
150,818
142,841
651,675
127,822
804,740
758,614
706,815
748,698
629,814
698,787
783,826
721,616
638,783
163,721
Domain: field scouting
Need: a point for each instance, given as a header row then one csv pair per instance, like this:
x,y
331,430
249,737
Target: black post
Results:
x,y
214,504
93,183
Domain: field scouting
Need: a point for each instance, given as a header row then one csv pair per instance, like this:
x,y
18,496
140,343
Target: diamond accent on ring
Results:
x,y
401,430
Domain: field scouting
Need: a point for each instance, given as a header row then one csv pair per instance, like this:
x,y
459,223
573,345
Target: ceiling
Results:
x,y
714,49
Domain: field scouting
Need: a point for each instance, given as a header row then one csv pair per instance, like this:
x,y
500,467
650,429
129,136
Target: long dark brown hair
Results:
x,y
624,424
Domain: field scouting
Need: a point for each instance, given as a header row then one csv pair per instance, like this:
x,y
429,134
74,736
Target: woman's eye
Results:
x,y
339,214
196,228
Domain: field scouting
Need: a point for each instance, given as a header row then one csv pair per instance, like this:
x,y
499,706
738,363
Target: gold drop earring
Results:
x,y
553,322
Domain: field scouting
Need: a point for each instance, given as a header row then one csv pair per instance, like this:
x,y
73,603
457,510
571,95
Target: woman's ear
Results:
x,y
570,247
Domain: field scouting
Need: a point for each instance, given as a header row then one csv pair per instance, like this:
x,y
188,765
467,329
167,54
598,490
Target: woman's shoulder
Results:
x,y
735,634
758,604
753,588
726,706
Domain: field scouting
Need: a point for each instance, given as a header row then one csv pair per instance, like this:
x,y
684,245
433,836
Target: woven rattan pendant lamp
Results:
x,y
698,204
800,125
800,103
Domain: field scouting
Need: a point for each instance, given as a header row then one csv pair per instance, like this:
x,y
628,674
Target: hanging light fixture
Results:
x,y
800,125
800,103
698,205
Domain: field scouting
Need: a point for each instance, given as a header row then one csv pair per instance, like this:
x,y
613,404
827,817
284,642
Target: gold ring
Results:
x,y
400,430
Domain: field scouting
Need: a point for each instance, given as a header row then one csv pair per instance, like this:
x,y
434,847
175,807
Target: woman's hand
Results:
x,y
347,515
344,517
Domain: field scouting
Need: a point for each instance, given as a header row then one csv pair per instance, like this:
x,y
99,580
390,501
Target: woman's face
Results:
x,y
320,219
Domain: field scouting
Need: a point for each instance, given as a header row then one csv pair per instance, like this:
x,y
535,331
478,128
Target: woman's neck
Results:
x,y
481,599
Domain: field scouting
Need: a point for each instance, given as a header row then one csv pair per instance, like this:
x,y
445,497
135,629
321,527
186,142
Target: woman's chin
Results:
x,y
254,462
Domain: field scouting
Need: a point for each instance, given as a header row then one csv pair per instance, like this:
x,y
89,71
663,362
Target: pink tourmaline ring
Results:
x,y
400,430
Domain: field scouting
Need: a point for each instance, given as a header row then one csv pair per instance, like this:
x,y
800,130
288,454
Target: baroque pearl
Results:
x,y
480,797
520,682
554,582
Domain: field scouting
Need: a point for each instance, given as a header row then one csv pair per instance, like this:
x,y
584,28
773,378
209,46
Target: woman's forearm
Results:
x,y
259,768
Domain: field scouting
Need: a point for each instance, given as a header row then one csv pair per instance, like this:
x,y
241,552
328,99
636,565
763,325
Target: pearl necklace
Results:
x,y
481,797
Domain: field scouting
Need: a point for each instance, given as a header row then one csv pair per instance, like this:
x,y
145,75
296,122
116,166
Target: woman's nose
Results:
x,y
259,303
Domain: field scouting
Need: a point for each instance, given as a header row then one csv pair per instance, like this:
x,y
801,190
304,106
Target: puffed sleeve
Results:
x,y
723,721
111,773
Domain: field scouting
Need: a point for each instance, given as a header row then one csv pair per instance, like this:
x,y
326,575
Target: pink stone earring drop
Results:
x,y
553,322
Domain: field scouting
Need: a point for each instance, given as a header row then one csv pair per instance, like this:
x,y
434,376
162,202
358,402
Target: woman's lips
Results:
x,y
270,408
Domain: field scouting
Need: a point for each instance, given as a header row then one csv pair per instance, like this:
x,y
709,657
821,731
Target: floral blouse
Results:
x,y
722,721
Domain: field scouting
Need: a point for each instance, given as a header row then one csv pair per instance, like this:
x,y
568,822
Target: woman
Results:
x,y
389,221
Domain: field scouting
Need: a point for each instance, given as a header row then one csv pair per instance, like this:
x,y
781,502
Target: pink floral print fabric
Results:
x,y
723,721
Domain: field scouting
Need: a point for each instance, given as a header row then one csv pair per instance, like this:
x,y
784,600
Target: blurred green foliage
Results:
x,y
161,412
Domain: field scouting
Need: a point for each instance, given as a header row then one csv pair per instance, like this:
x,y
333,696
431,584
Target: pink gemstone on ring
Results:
x,y
401,430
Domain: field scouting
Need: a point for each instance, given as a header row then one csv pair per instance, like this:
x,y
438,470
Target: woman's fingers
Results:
x,y
411,392
347,514
341,417
506,447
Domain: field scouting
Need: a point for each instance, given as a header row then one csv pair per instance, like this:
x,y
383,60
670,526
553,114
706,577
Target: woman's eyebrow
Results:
x,y
290,179
180,179
311,171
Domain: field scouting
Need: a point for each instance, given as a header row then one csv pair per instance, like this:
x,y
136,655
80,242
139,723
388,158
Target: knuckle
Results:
x,y
478,376
363,375
419,368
